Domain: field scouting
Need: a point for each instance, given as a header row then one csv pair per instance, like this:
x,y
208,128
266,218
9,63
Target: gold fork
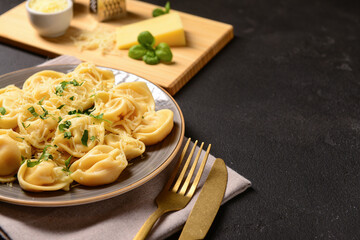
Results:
x,y
171,198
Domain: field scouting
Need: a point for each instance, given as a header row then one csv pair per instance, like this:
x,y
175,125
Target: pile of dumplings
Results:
x,y
77,127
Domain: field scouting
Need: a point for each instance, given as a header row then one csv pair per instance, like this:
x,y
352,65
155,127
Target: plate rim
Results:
x,y
101,197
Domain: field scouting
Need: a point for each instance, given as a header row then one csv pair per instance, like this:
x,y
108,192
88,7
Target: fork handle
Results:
x,y
147,226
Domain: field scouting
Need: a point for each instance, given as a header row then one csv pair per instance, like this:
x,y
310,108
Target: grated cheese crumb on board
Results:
x,y
100,38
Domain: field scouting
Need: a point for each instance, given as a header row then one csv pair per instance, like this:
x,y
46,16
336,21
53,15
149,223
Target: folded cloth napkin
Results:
x,y
120,217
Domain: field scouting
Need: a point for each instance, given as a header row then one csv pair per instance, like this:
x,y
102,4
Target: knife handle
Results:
x,y
149,223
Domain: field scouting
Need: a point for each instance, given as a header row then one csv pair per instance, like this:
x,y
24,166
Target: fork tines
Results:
x,y
182,186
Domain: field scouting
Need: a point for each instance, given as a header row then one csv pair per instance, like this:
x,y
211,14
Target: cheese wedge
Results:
x,y
165,28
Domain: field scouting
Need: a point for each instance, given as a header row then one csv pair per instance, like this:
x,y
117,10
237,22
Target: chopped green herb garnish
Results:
x,y
2,110
30,163
44,156
71,98
64,126
84,138
61,106
25,126
32,111
67,164
93,138
100,117
60,89
21,138
88,111
22,159
59,119
75,83
67,135
67,161
41,101
45,114
72,112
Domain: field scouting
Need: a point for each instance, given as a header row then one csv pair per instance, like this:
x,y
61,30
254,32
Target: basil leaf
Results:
x,y
2,111
167,7
146,39
61,106
71,98
163,52
84,138
151,58
137,51
158,12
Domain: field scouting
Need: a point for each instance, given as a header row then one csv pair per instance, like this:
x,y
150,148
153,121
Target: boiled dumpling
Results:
x,y
39,84
10,158
37,125
155,126
102,79
72,94
45,176
132,147
80,134
113,107
102,165
139,91
24,147
10,101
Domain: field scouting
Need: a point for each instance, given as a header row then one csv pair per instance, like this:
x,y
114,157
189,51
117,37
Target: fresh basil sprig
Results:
x,y
163,52
158,11
147,52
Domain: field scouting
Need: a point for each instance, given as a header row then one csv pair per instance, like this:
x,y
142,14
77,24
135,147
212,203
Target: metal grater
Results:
x,y
108,9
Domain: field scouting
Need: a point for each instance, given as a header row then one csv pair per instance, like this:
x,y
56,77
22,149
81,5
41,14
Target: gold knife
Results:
x,y
207,204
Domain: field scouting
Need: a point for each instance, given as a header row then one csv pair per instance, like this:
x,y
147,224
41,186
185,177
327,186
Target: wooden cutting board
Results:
x,y
204,37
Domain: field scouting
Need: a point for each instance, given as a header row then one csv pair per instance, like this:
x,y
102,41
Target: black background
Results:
x,y
280,104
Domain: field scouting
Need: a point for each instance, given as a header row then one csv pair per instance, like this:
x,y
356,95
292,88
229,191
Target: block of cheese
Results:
x,y
165,28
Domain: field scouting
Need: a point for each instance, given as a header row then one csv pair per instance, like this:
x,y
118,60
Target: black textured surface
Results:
x,y
280,104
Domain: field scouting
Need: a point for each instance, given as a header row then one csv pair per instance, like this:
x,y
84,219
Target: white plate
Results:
x,y
157,157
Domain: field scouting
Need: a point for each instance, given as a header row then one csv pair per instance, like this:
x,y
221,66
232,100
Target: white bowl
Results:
x,y
51,24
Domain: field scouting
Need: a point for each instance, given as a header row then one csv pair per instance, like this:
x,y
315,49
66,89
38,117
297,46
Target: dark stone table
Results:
x,y
281,105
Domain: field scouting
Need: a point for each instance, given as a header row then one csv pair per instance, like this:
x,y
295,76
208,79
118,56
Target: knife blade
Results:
x,y
207,205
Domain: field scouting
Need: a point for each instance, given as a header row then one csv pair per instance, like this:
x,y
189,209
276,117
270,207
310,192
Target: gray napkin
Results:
x,y
117,218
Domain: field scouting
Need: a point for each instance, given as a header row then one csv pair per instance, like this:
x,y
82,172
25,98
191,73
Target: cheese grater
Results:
x,y
108,9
